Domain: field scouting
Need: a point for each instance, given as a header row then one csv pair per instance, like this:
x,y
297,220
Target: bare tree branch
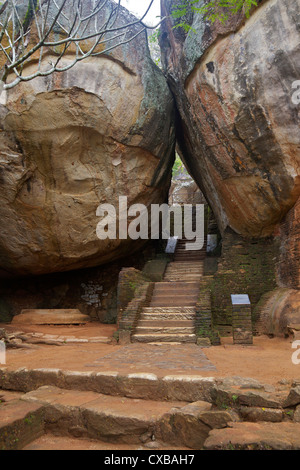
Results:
x,y
78,28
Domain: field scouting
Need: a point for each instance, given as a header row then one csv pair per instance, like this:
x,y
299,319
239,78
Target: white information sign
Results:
x,y
242,299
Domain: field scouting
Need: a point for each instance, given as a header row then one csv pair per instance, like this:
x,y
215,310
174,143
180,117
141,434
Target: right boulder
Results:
x,y
235,87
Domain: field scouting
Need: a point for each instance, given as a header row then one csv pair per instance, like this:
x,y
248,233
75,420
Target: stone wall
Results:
x,y
238,135
245,267
289,267
76,140
134,293
184,190
93,291
128,318
238,129
278,313
130,279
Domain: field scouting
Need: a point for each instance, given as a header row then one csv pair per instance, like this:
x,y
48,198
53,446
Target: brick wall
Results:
x,y
289,262
245,267
130,279
128,317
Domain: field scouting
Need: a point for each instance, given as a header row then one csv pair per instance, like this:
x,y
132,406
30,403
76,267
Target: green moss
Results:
x,y
246,267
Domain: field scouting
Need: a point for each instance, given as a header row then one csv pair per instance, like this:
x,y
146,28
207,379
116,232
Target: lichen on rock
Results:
x,y
75,140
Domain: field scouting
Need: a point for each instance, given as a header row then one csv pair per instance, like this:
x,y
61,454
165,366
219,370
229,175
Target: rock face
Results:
x,y
289,266
279,313
239,128
184,190
73,141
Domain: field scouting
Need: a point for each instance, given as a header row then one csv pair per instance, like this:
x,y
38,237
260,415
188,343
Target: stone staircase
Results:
x,y
171,315
58,409
182,254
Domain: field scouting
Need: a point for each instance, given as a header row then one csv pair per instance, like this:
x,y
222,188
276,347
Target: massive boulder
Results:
x,y
278,313
238,127
74,140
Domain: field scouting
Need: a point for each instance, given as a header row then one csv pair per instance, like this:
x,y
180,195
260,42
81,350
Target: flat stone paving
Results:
x,y
185,358
50,442
267,360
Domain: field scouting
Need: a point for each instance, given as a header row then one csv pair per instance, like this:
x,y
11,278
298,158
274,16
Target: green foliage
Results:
x,y
154,46
212,10
32,7
178,166
154,37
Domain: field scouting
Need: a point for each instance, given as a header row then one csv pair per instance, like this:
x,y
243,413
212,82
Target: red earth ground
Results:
x,y
268,360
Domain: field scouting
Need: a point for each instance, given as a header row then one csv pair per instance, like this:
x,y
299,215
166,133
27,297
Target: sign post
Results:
x,y
2,352
241,319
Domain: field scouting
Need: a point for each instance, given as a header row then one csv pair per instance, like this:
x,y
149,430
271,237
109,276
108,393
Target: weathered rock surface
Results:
x,y
191,424
234,397
257,414
239,130
293,397
51,316
289,266
255,436
73,141
279,313
184,190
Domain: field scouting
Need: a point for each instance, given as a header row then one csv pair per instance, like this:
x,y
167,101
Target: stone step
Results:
x,y
186,270
185,240
166,323
169,302
175,303
182,248
177,278
184,251
134,385
177,296
183,243
170,290
20,423
183,309
177,259
255,436
191,254
178,330
66,443
167,316
183,276
184,273
178,289
168,337
51,317
185,285
95,416
189,251
186,263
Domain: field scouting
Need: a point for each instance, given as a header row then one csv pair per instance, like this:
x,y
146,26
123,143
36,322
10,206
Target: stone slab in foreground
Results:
x,y
20,423
51,317
255,436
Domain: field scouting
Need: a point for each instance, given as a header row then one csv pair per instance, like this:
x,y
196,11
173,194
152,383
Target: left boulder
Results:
x,y
77,139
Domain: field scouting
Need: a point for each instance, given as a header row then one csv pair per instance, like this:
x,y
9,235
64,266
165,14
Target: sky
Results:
x,y
139,7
